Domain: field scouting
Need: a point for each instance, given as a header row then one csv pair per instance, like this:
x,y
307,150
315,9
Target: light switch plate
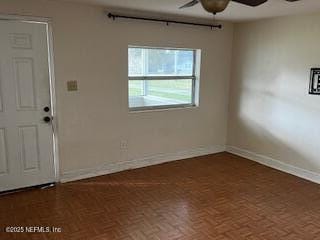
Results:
x,y
72,86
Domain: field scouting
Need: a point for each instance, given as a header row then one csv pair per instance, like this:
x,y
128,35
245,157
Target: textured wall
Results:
x,y
270,111
91,49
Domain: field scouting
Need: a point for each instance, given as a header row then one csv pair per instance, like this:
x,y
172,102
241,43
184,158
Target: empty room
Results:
x,y
159,120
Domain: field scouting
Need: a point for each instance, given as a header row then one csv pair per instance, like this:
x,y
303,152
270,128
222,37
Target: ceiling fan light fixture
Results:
x,y
214,6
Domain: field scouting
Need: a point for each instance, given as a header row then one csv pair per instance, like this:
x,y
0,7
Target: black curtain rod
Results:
x,y
114,16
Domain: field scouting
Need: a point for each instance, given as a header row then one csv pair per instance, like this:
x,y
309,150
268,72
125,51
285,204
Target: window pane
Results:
x,y
160,92
160,62
135,62
136,88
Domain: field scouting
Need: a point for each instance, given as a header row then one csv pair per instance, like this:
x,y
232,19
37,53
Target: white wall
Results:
x,y
270,111
92,49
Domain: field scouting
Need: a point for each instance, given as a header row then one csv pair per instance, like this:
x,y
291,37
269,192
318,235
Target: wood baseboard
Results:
x,y
276,164
138,163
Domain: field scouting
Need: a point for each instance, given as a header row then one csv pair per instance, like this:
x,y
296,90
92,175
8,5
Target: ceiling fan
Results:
x,y
215,6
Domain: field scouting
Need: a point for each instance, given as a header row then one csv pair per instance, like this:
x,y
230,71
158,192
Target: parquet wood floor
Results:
x,y
220,196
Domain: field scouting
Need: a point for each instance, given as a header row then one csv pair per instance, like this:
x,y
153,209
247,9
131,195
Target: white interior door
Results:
x,y
26,140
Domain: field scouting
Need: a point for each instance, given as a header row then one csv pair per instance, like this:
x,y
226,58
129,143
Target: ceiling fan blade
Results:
x,y
190,4
252,3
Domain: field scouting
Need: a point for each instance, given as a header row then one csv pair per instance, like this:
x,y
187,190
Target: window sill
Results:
x,y
161,108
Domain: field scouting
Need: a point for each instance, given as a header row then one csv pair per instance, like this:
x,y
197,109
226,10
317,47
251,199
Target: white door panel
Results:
x,y
29,148
1,101
3,153
25,86
26,141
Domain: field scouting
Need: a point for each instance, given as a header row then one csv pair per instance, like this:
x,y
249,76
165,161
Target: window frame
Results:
x,y
192,77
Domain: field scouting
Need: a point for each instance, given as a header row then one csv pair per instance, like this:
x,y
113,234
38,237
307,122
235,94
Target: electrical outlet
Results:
x,y
124,145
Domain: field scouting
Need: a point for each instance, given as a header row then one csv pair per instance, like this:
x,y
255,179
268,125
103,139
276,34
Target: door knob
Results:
x,y
47,119
46,109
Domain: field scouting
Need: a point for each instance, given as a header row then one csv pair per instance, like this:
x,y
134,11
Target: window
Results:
x,y
161,78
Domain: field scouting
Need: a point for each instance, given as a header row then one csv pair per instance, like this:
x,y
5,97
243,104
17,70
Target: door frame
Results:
x,y
52,81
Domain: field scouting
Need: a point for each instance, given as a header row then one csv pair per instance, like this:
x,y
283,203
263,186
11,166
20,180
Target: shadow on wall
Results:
x,y
277,123
271,112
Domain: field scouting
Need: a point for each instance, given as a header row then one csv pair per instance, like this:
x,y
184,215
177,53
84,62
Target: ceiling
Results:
x,y
235,11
